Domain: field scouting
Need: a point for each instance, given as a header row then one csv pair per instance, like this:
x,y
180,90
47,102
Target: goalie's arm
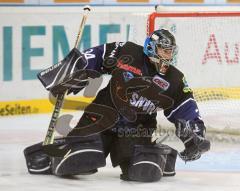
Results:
x,y
185,106
94,58
97,57
190,127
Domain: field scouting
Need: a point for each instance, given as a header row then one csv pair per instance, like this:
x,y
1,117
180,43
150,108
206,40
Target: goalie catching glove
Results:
x,y
192,134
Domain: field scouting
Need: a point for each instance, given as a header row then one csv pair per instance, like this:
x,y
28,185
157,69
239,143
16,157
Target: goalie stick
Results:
x,y
48,146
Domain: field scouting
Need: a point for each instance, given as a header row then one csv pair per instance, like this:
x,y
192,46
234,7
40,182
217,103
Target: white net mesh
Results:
x,y
209,56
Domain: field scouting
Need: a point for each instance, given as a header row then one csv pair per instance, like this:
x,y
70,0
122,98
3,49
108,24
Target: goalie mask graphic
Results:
x,y
161,49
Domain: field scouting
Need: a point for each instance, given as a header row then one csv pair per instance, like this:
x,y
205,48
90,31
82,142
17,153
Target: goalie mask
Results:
x,y
160,47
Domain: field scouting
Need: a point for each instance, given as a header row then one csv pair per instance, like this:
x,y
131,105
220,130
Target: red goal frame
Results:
x,y
154,15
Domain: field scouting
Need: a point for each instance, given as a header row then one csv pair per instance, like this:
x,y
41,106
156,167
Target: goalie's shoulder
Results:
x,y
130,43
175,74
125,44
176,71
134,46
117,49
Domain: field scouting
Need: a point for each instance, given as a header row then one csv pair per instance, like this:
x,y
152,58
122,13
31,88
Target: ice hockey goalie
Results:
x,y
143,82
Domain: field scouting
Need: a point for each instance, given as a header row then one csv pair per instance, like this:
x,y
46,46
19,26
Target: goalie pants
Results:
x,y
120,143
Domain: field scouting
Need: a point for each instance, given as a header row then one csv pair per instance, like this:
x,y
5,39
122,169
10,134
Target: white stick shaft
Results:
x,y
81,27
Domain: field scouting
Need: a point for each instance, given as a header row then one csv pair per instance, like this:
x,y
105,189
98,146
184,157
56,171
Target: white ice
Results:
x,y
217,170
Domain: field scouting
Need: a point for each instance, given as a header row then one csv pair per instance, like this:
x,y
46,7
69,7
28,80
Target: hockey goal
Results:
x,y
209,55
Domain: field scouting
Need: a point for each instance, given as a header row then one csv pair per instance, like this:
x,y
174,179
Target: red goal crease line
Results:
x,y
153,16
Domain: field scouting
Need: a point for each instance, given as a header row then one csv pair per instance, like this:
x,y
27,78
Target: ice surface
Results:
x,y
217,170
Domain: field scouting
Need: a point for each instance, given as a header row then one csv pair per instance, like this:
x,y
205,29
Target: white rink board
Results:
x,y
107,24
57,25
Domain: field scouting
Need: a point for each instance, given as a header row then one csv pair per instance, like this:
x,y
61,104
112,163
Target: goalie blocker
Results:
x,y
67,75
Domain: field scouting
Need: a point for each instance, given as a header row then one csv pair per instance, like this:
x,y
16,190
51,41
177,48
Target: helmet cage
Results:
x,y
151,50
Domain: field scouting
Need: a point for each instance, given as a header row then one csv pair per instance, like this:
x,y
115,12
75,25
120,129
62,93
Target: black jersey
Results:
x,y
129,59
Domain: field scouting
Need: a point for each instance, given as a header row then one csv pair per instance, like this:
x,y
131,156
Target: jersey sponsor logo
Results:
x,y
129,68
127,76
186,88
142,102
161,82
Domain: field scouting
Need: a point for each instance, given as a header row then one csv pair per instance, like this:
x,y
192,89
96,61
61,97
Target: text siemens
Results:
x,y
41,45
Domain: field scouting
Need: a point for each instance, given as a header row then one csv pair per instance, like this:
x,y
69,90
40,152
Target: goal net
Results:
x,y
209,55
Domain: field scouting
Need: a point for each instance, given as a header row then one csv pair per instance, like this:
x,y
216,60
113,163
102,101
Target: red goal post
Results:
x,y
152,17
